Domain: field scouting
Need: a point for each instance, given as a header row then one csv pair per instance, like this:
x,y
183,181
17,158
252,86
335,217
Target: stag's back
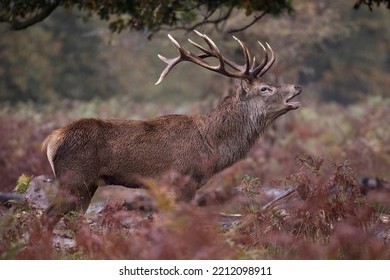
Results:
x,y
125,149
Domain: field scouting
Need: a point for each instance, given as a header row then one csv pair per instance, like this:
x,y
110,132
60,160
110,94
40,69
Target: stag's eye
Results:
x,y
264,89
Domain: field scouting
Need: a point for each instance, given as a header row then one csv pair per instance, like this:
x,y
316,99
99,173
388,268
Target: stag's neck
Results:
x,y
231,130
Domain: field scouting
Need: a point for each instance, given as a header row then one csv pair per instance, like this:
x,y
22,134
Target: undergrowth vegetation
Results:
x,y
314,157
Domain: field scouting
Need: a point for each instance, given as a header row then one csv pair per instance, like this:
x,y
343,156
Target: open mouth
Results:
x,y
293,104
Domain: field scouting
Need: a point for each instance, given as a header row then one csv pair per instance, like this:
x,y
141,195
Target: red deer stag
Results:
x,y
89,151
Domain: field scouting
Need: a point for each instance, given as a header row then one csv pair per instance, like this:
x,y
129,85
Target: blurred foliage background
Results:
x,y
72,65
336,52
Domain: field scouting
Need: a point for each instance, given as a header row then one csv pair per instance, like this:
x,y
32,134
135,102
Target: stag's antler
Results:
x,y
248,71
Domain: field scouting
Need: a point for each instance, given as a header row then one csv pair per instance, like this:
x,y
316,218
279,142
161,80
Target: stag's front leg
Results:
x,y
187,192
188,186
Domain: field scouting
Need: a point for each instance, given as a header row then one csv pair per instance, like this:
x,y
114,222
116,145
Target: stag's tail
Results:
x,y
51,144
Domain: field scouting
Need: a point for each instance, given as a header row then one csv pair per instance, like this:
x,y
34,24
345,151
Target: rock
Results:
x,y
41,189
138,201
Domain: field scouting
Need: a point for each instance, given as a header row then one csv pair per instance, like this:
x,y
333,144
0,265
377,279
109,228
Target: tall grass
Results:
x,y
318,152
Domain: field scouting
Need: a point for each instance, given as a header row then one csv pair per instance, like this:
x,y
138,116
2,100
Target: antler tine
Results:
x,y
247,71
253,64
214,48
184,55
210,53
269,63
245,50
171,61
259,67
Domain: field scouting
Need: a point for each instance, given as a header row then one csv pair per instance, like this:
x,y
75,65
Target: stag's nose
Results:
x,y
298,88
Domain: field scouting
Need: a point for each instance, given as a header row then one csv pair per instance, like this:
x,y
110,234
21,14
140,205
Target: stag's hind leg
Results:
x,y
71,196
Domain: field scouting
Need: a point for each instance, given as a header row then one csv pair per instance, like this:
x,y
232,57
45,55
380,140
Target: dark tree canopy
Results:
x,y
371,3
148,15
139,15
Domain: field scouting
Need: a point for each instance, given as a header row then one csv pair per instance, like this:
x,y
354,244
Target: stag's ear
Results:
x,y
243,86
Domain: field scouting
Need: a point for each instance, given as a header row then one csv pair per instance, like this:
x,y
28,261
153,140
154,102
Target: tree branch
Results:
x,y
206,20
20,25
255,19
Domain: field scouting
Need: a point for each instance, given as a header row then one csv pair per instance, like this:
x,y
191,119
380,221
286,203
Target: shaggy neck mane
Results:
x,y
232,128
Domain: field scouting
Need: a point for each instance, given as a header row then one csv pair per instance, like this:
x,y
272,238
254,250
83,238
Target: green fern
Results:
x,y
23,183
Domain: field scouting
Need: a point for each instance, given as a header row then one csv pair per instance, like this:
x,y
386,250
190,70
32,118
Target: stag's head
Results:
x,y
272,100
